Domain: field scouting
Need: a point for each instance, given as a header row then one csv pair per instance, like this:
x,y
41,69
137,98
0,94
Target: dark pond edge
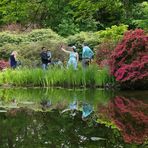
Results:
x,y
106,87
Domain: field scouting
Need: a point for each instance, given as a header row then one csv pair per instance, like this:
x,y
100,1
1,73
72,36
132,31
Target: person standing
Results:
x,y
12,59
87,55
73,57
44,58
49,57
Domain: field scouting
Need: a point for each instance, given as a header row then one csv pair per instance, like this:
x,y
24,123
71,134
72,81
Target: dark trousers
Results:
x,y
85,62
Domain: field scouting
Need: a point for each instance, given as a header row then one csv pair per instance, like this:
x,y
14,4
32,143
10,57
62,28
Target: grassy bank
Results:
x,y
91,77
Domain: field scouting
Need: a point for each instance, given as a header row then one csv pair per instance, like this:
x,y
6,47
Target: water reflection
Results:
x,y
87,109
44,99
25,128
130,115
74,106
45,104
72,118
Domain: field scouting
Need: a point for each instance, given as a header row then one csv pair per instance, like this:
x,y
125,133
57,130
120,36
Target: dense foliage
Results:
x,y
72,22
29,44
130,59
45,126
33,36
140,18
68,17
103,52
114,33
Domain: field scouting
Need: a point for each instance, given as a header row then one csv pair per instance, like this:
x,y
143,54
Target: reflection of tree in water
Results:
x,y
130,116
26,128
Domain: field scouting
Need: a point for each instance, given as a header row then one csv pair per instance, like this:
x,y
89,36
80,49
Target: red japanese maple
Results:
x,y
129,61
103,52
3,64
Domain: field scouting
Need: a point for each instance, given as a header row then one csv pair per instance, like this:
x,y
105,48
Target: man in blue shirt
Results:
x,y
87,55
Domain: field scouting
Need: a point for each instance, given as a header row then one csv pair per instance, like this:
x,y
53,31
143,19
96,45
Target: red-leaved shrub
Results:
x,y
130,116
129,61
103,53
3,64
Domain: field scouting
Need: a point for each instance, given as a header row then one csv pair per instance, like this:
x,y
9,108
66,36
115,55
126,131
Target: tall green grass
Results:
x,y
90,77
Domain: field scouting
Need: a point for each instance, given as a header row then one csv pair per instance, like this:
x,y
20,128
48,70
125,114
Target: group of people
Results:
x,y
87,55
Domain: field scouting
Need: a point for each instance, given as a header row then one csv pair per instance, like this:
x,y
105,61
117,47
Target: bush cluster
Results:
x,y
103,52
129,61
33,36
29,44
115,33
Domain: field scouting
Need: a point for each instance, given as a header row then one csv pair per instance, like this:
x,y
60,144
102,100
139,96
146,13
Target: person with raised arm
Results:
x,y
73,57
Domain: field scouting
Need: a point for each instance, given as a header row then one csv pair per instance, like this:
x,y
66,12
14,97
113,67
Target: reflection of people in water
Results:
x,y
45,104
73,107
87,109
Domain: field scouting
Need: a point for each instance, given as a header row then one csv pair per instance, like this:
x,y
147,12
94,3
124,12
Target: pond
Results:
x,y
73,118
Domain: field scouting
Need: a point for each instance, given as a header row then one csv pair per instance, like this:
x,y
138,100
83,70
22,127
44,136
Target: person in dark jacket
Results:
x,y
13,61
44,58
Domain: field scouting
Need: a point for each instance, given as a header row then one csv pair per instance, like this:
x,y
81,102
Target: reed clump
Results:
x,y
55,77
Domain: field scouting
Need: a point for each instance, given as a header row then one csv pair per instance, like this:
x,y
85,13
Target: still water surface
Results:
x,y
61,118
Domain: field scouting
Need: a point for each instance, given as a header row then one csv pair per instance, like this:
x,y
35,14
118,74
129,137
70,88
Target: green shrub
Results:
x,y
7,37
29,54
42,35
33,36
114,33
140,19
67,27
29,45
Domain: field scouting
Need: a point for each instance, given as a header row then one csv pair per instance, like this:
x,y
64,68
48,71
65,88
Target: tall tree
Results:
x,y
76,15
